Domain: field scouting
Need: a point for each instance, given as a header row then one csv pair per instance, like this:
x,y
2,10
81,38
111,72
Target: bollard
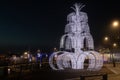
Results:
x,y
105,77
82,77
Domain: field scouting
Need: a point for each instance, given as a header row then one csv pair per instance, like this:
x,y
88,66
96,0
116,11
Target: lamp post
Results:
x,y
115,25
106,42
114,46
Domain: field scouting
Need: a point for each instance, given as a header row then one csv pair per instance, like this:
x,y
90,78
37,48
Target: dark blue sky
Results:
x,y
41,22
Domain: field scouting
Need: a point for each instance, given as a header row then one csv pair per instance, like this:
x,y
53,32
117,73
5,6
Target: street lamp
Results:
x,y
106,42
114,46
115,25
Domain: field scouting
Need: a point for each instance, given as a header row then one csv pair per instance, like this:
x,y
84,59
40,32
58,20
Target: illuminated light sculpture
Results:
x,y
76,44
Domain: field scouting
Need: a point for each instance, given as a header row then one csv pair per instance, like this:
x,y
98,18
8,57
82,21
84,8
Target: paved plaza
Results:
x,y
116,71
113,74
48,74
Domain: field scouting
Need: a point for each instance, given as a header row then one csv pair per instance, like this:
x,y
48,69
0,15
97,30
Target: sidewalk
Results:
x,y
116,71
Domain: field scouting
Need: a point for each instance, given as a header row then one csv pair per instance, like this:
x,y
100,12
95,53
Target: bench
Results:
x,y
83,76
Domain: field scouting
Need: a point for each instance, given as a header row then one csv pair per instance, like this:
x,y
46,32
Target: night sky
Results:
x,y
41,23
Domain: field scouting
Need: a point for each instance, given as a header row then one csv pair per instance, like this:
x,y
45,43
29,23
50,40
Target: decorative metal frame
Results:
x,y
76,44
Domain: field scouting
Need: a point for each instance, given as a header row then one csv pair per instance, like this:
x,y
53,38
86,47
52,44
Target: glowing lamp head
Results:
x,y
114,44
115,24
25,53
106,38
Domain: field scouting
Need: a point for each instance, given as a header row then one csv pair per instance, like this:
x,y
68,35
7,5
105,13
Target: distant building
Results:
x,y
109,55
